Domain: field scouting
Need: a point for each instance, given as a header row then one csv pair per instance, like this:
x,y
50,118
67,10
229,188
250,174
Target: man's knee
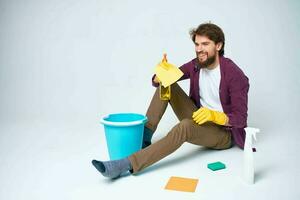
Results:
x,y
182,129
186,123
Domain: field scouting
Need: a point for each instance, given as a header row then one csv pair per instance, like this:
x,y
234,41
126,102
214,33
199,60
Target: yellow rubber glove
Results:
x,y
203,115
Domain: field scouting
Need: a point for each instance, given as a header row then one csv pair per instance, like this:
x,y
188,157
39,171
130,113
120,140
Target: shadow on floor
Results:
x,y
163,164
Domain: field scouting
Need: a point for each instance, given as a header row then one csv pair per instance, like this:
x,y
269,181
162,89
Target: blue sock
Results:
x,y
114,168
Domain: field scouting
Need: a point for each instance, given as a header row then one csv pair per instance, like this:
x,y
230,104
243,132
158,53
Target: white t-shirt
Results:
x,y
209,88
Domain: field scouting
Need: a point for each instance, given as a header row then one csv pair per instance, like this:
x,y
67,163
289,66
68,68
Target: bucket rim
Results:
x,y
120,124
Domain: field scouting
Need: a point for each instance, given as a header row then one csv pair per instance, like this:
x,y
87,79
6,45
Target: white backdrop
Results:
x,y
71,62
75,60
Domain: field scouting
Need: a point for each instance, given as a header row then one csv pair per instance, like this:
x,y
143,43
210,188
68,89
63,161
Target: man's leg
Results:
x,y
208,134
181,104
183,108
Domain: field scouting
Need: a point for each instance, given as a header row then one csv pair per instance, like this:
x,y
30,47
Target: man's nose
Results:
x,y
199,48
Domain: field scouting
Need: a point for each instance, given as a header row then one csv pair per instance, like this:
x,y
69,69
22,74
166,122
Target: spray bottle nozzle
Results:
x,y
252,132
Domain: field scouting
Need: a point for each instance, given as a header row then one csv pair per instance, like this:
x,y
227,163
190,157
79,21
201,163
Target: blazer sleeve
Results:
x,y
238,91
186,71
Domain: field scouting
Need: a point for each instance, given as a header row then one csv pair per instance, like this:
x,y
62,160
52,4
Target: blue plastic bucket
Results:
x,y
124,133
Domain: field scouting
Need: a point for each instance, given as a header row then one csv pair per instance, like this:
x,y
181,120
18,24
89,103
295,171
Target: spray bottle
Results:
x,y
248,171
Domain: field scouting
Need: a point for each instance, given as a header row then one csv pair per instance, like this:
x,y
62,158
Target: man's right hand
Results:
x,y
156,80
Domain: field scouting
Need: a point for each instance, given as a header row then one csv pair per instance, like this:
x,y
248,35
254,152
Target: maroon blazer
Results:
x,y
233,90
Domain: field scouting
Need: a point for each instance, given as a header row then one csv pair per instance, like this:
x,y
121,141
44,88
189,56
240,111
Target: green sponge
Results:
x,y
216,166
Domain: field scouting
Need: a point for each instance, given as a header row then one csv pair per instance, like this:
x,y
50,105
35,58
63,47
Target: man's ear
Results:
x,y
219,46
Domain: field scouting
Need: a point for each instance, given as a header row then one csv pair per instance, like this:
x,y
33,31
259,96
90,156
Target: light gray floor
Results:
x,y
52,161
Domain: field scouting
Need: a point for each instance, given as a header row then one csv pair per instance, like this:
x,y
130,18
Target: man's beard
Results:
x,y
210,60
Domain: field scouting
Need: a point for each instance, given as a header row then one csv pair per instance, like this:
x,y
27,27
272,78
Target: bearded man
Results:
x,y
214,114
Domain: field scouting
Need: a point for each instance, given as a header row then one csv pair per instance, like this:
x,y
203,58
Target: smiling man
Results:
x,y
214,114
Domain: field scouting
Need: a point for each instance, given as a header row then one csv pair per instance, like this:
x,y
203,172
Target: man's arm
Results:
x,y
238,92
227,123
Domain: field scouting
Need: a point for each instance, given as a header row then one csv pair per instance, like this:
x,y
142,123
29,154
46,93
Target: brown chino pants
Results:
x,y
208,134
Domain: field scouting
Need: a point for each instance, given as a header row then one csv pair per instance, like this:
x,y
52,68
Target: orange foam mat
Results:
x,y
182,184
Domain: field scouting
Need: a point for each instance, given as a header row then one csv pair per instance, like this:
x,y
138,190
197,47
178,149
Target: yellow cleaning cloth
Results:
x,y
167,73
182,184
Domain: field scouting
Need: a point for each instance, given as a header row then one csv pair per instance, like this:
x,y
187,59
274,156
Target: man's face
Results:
x,y
206,50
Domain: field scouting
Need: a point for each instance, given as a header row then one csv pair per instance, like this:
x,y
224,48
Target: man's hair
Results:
x,y
212,31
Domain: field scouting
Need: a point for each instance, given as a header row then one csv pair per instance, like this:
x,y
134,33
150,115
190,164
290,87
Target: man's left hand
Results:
x,y
203,115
